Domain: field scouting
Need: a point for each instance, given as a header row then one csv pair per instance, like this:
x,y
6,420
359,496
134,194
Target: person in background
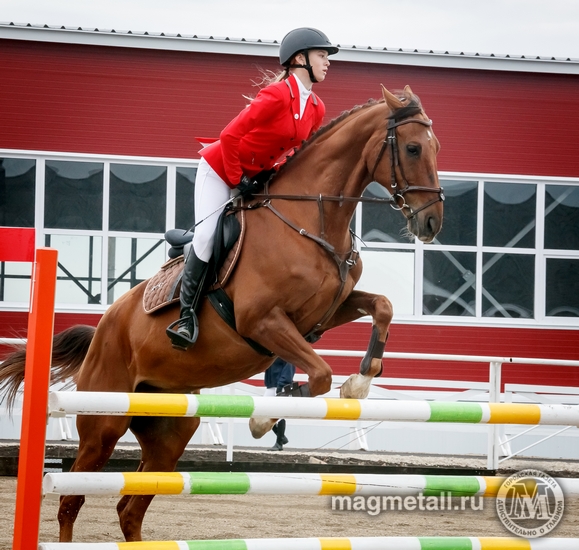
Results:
x,y
283,114
277,376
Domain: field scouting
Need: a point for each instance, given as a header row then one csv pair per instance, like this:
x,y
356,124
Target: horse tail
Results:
x,y
69,348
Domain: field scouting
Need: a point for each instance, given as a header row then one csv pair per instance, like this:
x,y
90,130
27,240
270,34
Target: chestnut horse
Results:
x,y
295,276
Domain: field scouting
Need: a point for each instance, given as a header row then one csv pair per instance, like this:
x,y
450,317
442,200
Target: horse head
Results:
x,y
411,176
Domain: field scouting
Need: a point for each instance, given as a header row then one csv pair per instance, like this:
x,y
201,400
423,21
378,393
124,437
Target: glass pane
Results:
x,y
380,223
79,268
15,281
460,211
184,210
17,192
508,285
131,261
449,283
138,198
509,215
562,288
73,195
391,274
562,217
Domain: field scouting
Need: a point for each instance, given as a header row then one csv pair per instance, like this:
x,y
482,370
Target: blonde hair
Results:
x,y
268,77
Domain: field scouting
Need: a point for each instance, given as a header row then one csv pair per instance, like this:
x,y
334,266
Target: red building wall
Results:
x,y
96,99
406,338
105,100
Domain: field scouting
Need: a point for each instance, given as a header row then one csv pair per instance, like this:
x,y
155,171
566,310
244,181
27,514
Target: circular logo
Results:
x,y
530,503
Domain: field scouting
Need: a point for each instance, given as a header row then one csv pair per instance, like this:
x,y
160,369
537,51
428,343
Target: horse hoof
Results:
x,y
259,426
356,387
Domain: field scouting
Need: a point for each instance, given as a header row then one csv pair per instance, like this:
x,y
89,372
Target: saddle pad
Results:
x,y
163,288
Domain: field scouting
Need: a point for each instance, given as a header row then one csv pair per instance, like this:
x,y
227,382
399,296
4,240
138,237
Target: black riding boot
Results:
x,y
279,430
187,330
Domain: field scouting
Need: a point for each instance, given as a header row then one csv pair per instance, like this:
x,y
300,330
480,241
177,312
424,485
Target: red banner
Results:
x,y
17,244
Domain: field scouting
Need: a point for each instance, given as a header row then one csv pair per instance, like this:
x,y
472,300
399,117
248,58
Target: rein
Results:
x,y
344,265
391,143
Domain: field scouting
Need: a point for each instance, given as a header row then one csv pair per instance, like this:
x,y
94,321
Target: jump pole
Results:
x,y
35,399
245,406
268,483
352,543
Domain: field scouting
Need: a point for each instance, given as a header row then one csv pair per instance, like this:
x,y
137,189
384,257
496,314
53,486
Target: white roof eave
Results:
x,y
240,46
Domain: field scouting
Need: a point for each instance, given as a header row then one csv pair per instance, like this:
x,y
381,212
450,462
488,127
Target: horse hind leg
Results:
x,y
162,440
98,437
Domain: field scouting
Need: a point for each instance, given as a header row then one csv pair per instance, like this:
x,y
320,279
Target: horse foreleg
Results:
x,y
162,441
98,437
355,306
278,333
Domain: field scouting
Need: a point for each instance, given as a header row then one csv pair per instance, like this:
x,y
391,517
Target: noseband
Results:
x,y
391,143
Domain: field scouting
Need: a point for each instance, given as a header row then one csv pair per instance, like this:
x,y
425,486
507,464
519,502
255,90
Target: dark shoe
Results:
x,y
277,447
187,327
279,430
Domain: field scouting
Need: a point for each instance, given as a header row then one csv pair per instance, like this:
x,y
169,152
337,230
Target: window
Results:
x,y
73,195
460,213
449,283
562,217
562,287
138,198
185,213
17,192
509,215
17,209
379,224
508,250
106,219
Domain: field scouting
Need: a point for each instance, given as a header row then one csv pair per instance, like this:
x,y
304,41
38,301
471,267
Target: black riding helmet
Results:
x,y
302,40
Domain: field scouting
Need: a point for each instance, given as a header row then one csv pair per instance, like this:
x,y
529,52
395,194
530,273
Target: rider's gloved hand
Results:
x,y
248,187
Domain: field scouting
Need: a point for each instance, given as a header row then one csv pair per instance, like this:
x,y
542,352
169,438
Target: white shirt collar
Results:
x,y
304,94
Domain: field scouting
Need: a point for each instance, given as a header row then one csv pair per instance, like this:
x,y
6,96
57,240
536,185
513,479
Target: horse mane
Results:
x,y
412,106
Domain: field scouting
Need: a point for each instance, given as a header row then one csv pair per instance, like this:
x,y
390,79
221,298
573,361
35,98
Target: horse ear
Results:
x,y
408,90
392,101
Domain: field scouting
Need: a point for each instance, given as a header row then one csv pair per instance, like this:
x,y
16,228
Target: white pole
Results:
x,y
494,397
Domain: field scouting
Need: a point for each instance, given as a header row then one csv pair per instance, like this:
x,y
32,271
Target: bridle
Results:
x,y
345,261
391,143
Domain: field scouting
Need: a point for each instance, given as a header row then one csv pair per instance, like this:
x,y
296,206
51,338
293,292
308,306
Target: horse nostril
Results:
x,y
432,224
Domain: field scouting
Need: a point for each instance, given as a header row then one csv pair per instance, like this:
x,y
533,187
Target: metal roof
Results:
x,y
269,48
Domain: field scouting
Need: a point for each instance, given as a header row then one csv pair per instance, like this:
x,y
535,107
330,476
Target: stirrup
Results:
x,y
183,339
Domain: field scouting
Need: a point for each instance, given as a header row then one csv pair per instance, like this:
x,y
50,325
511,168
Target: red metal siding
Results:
x,y
470,340
95,99
502,342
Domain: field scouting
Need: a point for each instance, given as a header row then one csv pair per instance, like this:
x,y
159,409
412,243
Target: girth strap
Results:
x,y
224,307
344,266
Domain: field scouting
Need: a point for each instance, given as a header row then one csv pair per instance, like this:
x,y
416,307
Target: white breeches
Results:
x,y
211,193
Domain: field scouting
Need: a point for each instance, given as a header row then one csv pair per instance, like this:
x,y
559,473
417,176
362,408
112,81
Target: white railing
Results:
x,y
468,391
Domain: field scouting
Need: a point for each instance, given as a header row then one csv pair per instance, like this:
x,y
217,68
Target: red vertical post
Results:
x,y
35,401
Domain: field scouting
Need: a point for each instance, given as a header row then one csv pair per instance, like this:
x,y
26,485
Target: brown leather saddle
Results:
x,y
164,287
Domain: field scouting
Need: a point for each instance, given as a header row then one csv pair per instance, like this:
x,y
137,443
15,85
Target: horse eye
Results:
x,y
413,150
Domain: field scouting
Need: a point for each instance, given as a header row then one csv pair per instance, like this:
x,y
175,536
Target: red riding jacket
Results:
x,y
267,129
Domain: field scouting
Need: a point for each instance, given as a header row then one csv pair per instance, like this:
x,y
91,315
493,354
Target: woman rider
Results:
x,y
282,115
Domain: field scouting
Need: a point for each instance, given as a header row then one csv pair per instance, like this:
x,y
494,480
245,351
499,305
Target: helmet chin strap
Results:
x,y
307,66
